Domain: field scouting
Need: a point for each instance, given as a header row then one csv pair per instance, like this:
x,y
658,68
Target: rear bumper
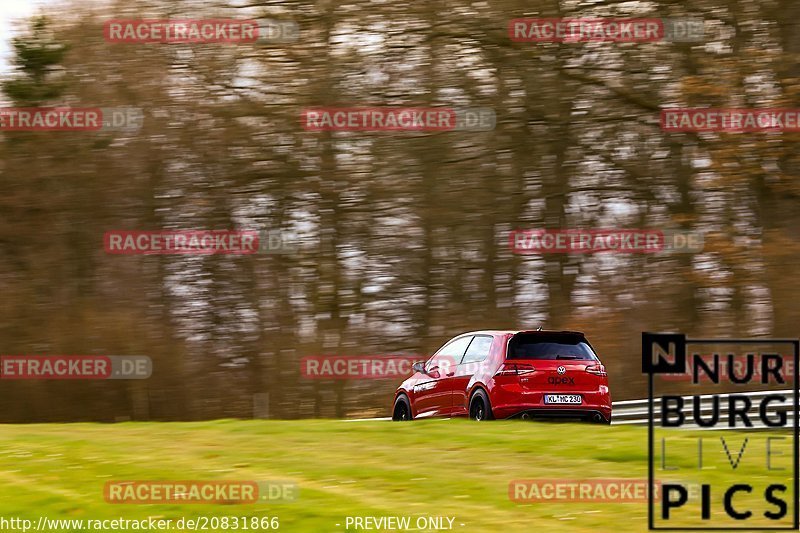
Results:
x,y
509,403
584,414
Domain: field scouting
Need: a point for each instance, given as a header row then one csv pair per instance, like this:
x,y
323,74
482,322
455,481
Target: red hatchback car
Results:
x,y
506,374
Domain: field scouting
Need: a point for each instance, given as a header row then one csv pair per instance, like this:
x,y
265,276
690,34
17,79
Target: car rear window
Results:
x,y
550,346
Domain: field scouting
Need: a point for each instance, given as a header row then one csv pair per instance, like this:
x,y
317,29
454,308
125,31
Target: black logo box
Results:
x,y
678,366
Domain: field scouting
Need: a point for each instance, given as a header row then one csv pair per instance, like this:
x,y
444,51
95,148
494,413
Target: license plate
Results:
x,y
562,398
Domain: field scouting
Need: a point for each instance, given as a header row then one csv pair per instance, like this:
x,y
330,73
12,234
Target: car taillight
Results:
x,y
515,369
597,370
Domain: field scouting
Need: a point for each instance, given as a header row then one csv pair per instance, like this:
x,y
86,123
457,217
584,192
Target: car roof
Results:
x,y
515,331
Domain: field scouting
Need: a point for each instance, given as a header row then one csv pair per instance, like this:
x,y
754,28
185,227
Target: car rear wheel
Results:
x,y
402,409
479,407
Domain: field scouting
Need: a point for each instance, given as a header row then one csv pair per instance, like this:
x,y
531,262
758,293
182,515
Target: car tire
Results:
x,y
402,409
479,406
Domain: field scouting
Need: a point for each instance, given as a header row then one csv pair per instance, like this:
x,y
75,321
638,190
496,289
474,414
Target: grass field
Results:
x,y
453,468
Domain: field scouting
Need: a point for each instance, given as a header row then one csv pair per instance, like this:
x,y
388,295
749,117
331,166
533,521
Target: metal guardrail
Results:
x,y
635,412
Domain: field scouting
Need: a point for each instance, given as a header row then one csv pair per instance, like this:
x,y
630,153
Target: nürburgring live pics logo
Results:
x,y
741,480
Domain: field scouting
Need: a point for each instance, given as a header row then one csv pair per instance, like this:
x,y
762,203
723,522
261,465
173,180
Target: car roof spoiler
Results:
x,y
551,331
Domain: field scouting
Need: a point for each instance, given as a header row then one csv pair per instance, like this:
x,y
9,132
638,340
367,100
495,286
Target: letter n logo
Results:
x,y
663,353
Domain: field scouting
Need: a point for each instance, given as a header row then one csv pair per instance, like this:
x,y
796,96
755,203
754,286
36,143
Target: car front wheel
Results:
x,y
402,409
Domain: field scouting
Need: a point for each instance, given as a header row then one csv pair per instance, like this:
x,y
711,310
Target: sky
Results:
x,y
11,11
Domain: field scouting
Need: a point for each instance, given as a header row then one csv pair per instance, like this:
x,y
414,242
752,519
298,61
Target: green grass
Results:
x,y
453,468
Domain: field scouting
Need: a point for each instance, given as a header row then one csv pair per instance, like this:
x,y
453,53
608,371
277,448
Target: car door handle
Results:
x,y
451,374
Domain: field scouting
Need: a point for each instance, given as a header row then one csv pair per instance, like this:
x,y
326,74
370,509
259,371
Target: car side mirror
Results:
x,y
419,367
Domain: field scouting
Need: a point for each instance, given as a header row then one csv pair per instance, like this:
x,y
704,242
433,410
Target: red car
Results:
x,y
506,374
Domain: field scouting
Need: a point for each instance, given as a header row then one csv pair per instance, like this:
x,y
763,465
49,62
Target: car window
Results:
x,y
478,350
451,354
550,346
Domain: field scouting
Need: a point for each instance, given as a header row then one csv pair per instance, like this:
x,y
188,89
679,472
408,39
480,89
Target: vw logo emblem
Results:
x,y
561,370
